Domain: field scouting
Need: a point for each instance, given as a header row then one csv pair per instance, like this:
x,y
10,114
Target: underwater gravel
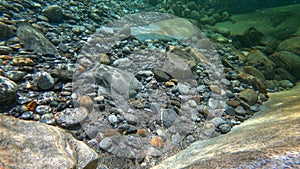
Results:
x,y
45,93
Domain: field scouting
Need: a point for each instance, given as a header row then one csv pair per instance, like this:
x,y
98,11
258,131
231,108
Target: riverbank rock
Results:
x,y
28,144
270,139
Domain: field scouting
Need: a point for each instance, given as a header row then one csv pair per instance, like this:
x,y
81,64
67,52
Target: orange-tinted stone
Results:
x,y
157,142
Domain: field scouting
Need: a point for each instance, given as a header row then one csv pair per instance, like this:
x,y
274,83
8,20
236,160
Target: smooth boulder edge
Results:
x,y
29,144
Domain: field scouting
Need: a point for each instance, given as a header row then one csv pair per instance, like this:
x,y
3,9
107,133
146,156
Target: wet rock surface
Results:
x,y
35,40
27,144
8,89
268,140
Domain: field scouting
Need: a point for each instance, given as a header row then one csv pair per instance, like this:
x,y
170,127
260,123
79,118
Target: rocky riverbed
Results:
x,y
136,87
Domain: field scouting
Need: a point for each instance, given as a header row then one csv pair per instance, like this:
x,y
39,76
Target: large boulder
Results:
x,y
270,138
291,44
28,144
260,61
288,61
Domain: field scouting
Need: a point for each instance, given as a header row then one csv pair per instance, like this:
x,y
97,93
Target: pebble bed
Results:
x,y
118,96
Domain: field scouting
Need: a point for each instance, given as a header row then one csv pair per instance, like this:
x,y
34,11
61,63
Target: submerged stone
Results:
x,y
35,40
28,144
8,89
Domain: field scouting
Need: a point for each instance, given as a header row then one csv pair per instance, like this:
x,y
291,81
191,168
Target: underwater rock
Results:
x,y
248,95
111,78
71,117
4,50
166,29
260,61
283,23
286,84
254,72
251,37
28,144
249,144
8,89
288,61
6,31
285,75
54,13
291,44
253,81
35,40
15,75
45,81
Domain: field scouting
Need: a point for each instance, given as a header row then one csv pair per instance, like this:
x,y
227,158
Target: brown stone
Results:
x,y
169,84
215,89
176,103
20,61
175,81
141,132
157,142
112,133
31,106
249,96
254,72
259,60
253,81
6,57
197,98
292,44
104,58
233,103
16,46
85,101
